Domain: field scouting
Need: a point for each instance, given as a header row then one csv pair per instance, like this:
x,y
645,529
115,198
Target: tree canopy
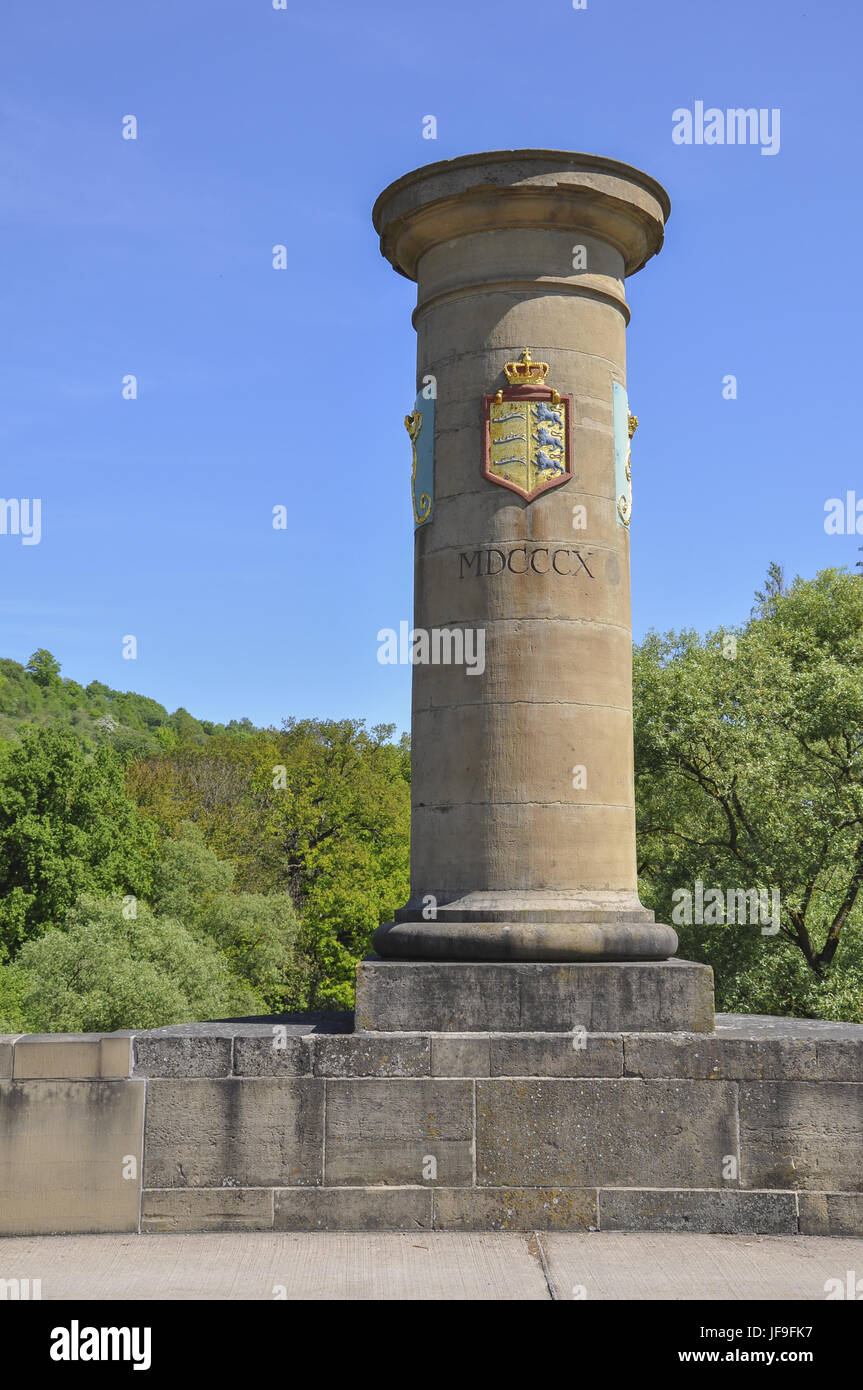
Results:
x,y
749,775
67,826
271,853
155,867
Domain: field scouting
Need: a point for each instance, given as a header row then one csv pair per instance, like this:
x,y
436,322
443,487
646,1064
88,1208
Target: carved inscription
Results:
x,y
522,559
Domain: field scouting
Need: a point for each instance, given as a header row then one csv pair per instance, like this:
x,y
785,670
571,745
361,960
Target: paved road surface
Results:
x,y
430,1266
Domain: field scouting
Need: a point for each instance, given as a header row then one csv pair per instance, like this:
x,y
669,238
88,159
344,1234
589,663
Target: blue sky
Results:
x,y
258,127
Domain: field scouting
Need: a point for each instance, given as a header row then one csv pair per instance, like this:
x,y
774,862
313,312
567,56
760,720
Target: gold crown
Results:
x,y
526,372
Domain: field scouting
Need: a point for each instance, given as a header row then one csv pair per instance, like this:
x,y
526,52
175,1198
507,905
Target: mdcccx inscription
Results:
x,y
541,559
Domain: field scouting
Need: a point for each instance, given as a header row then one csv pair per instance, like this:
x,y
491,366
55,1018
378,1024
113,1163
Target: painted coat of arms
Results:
x,y
625,426
527,431
420,426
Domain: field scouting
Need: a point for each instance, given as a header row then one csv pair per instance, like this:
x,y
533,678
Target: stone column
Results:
x,y
523,826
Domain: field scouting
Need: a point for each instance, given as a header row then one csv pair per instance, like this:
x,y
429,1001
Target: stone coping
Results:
x,y
65,1056
744,1047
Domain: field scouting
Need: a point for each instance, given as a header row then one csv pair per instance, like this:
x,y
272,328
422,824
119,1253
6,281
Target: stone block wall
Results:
x,y
71,1134
756,1128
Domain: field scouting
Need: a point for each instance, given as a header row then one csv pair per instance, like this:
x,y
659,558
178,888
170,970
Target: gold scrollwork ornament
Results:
x,y
624,501
413,425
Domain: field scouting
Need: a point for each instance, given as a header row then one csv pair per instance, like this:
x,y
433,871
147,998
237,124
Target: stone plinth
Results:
x,y
296,1125
529,997
523,820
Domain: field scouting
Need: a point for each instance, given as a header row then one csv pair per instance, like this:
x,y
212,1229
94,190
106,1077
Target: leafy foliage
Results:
x,y
104,971
37,694
279,850
258,934
67,827
156,868
319,811
749,757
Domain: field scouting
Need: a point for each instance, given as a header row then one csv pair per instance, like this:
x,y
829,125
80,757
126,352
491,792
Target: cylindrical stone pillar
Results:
x,y
523,818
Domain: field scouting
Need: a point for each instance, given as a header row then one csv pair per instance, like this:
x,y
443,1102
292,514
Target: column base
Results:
x,y
526,941
670,996
538,926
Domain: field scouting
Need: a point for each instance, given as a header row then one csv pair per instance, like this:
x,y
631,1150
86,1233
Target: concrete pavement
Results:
x,y
430,1266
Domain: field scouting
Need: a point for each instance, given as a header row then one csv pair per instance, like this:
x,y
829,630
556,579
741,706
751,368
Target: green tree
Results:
x,y
67,826
188,877
257,933
749,774
319,810
339,830
44,668
12,990
259,936
104,970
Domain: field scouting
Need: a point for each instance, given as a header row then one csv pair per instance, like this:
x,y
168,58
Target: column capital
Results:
x,y
521,189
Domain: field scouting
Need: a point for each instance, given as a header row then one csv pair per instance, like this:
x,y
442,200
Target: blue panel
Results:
x,y
621,452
